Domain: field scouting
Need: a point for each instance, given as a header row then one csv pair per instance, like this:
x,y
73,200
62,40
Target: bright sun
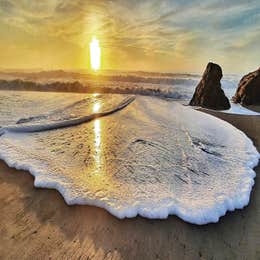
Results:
x,y
95,54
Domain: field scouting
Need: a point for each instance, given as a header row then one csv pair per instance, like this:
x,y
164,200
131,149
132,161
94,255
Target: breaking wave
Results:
x,y
164,85
93,87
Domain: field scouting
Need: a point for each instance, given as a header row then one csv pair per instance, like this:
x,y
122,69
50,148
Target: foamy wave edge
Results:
x,y
78,87
204,216
20,128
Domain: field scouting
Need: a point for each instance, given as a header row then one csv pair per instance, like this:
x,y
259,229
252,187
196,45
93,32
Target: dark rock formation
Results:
x,y
209,93
248,91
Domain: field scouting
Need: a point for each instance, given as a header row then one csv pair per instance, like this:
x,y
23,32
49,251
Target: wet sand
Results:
x,y
37,224
254,108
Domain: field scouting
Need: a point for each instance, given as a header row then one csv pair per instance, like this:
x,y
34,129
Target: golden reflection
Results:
x,y
97,145
97,169
96,107
97,137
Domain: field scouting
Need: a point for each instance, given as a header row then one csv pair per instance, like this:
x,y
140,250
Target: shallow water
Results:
x,y
152,158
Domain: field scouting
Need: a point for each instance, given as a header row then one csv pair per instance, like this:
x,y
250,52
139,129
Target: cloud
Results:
x,y
142,32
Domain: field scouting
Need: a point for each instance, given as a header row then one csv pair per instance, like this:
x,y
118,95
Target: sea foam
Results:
x,y
153,158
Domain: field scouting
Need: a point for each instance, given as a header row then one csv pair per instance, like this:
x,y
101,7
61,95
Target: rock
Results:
x,y
209,93
248,91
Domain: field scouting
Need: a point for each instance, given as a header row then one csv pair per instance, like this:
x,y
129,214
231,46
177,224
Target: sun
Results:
x,y
95,54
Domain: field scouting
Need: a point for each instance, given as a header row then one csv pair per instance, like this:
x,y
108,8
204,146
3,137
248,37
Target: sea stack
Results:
x,y
209,93
248,91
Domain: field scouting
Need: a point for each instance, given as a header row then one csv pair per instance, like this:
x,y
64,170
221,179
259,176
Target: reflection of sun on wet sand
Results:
x,y
97,138
97,141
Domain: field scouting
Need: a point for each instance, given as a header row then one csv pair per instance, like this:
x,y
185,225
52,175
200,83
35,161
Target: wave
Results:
x,y
56,111
165,85
78,87
20,127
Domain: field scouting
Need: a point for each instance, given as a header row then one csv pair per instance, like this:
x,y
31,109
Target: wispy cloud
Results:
x,y
152,35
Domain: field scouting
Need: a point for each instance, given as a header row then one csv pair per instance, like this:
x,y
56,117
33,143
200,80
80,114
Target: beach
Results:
x,y
129,130
37,223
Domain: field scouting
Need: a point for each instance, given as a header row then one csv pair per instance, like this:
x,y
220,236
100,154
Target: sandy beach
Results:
x,y
129,130
36,223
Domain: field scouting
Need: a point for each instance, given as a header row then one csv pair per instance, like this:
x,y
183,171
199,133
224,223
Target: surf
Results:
x,y
22,126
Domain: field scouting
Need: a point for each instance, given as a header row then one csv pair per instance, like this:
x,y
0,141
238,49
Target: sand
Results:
x,y
254,108
37,224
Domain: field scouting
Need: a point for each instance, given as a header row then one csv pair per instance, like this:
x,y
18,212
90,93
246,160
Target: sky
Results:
x,y
165,36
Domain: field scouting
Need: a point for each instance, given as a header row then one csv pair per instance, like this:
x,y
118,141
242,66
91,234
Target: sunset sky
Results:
x,y
172,36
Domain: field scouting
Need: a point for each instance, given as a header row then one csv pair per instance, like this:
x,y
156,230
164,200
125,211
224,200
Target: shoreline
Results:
x,y
38,221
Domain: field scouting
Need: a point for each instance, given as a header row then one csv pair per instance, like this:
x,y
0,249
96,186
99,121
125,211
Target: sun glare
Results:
x,y
96,107
95,54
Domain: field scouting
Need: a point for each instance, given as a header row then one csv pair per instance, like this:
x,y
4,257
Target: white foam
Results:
x,y
153,158
236,109
240,110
